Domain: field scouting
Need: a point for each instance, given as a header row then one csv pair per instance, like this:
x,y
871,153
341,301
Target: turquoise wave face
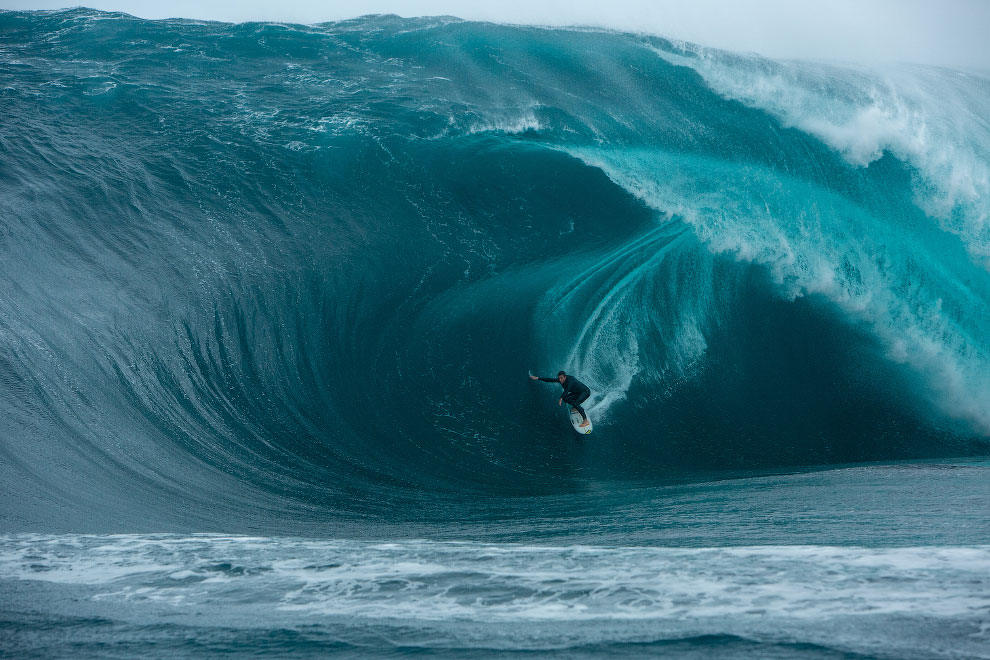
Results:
x,y
266,271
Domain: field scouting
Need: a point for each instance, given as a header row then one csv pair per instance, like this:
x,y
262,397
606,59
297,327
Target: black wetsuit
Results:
x,y
575,392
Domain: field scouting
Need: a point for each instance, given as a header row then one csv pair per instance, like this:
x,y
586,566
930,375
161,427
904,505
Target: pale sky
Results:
x,y
941,32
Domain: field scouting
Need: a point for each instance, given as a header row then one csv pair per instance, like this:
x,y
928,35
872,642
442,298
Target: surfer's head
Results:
x,y
561,376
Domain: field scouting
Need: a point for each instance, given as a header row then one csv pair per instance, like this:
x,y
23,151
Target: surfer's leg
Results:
x,y
577,404
574,402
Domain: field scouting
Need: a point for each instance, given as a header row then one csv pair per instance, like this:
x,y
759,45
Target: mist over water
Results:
x,y
948,34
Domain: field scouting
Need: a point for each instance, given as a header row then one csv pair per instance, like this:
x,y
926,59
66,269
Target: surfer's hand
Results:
x,y
534,377
560,401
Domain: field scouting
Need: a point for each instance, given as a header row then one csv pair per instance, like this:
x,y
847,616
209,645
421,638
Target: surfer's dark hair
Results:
x,y
561,373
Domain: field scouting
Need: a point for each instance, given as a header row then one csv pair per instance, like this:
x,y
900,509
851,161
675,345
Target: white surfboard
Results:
x,y
576,422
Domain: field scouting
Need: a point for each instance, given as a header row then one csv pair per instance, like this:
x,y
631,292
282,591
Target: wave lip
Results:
x,y
929,117
882,265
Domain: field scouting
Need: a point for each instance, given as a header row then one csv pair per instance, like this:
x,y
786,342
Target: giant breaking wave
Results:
x,y
278,271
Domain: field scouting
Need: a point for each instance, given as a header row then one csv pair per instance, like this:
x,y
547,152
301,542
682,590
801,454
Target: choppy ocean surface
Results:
x,y
269,295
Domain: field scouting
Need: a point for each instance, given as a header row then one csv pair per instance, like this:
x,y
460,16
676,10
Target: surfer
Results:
x,y
575,392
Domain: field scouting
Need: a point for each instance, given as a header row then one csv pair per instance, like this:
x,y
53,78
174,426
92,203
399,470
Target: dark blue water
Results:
x,y
269,295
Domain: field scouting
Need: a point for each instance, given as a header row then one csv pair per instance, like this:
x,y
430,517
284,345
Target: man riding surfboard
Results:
x,y
575,392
